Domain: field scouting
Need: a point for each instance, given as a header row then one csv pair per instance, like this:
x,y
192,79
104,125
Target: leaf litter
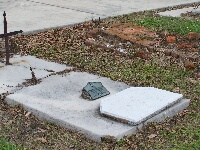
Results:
x,y
67,46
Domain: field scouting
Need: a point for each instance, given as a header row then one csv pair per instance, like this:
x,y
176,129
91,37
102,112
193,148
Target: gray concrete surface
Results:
x,y
34,15
137,104
178,12
58,98
13,75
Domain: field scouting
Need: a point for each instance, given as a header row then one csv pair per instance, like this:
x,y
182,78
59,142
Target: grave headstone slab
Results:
x,y
137,104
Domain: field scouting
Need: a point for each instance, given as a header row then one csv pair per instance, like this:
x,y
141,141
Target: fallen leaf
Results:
x,y
43,140
27,114
152,136
41,130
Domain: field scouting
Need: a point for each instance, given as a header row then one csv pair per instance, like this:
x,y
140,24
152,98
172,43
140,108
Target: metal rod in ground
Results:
x,y
6,39
6,36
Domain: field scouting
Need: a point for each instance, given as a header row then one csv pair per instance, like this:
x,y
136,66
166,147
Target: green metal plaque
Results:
x,y
94,90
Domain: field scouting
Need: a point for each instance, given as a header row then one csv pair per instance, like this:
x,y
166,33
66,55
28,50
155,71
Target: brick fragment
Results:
x,y
171,39
142,54
189,65
89,42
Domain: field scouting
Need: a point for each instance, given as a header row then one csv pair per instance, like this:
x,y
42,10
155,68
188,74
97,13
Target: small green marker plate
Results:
x,y
94,90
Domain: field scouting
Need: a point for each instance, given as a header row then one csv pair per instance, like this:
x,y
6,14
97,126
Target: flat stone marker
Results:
x,y
94,90
137,104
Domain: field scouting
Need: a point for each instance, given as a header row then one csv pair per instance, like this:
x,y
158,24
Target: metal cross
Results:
x,y
6,35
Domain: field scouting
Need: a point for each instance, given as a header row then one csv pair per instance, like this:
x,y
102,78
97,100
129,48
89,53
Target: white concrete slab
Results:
x,y
137,104
17,73
58,98
34,15
40,64
178,12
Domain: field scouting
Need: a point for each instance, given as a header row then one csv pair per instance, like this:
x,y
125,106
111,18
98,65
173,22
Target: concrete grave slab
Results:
x,y
178,12
17,73
58,99
137,104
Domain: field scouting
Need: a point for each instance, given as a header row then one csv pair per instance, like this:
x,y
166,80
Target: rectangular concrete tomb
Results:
x,y
138,104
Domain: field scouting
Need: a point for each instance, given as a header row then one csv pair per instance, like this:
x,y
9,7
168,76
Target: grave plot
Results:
x,y
125,39
58,99
136,41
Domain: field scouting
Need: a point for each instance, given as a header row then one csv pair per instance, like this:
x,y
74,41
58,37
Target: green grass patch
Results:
x,y
4,145
192,140
170,24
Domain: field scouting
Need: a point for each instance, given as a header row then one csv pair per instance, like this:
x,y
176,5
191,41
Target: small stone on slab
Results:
x,y
137,104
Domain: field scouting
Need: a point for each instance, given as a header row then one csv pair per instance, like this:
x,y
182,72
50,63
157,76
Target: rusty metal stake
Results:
x,y
6,39
6,36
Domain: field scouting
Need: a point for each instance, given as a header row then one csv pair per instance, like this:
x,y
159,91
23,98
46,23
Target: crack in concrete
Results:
x,y
66,8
